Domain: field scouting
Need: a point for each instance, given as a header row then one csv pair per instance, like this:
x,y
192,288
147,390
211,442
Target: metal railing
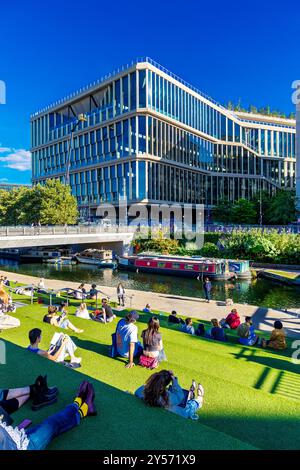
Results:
x,y
64,230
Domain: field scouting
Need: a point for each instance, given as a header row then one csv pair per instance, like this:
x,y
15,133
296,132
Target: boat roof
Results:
x,y
153,255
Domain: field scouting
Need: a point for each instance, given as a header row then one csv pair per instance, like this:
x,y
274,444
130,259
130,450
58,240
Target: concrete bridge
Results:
x,y
115,237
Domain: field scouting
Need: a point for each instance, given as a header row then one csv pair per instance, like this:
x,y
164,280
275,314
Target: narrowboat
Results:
x,y
240,267
100,258
177,266
41,254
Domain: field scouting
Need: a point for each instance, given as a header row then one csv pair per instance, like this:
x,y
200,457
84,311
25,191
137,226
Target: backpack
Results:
x,y
113,348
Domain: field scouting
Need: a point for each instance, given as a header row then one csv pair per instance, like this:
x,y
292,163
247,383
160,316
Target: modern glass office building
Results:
x,y
153,137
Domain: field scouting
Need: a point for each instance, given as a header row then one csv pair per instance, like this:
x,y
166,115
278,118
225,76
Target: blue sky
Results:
x,y
230,50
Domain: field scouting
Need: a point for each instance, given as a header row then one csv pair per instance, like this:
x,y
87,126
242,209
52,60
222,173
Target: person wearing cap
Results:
x,y
246,333
127,338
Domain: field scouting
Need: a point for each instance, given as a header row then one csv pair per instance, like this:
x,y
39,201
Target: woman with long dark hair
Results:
x,y
153,352
163,390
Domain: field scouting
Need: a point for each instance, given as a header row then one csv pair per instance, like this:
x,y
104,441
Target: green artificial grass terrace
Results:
x,y
251,395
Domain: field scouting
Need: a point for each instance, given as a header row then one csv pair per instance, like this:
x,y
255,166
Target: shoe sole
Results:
x,y
41,405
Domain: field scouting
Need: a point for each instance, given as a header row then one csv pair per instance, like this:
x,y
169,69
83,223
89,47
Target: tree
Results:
x,y
244,212
57,204
281,209
223,211
51,203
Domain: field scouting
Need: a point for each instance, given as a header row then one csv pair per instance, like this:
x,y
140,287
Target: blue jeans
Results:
x,y
207,294
41,435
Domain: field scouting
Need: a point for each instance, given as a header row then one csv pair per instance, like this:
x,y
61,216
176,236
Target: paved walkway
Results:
x,y
263,318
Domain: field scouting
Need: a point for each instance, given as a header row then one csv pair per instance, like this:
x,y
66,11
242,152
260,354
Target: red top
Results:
x,y
233,320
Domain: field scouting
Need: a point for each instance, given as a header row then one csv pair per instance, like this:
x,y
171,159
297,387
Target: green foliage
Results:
x,y
210,250
158,243
51,203
263,246
212,237
277,209
281,209
243,212
223,211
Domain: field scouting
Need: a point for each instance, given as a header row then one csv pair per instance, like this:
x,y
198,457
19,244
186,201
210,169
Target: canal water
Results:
x,y
259,292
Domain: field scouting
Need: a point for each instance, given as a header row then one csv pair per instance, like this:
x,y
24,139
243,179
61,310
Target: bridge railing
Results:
x,y
20,231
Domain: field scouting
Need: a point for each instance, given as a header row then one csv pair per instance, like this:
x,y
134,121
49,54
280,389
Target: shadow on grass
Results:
x,y
123,421
249,355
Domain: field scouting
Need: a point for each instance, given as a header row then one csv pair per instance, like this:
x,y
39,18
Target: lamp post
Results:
x,y
80,118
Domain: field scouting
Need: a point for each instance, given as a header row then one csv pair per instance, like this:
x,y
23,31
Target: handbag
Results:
x,y
148,362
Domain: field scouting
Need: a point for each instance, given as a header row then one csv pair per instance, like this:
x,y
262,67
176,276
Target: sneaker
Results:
x,y
40,400
90,400
200,391
191,394
82,391
76,360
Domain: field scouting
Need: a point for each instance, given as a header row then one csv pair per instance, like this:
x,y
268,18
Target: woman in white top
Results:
x,y
41,284
121,294
82,312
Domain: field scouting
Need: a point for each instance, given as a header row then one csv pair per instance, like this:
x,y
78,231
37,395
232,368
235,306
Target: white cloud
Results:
x,y
3,180
17,159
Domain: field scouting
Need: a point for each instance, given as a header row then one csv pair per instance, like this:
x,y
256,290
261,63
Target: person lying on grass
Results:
x,y
58,351
39,392
153,352
188,327
163,390
59,320
39,437
246,333
127,338
277,339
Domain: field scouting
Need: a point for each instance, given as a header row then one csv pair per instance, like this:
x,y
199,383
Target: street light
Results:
x,y
80,118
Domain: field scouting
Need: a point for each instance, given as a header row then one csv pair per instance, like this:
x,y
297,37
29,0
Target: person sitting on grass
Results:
x,y
38,437
188,327
57,352
93,292
147,309
162,390
277,339
39,392
82,288
106,315
153,352
6,282
232,320
173,318
60,321
82,312
200,330
127,338
217,332
246,333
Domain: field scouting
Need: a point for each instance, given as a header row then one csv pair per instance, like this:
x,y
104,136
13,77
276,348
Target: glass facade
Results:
x,y
154,138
